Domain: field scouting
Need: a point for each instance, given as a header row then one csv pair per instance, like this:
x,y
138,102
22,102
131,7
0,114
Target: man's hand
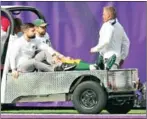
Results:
x,y
59,55
15,74
93,50
121,63
56,59
68,58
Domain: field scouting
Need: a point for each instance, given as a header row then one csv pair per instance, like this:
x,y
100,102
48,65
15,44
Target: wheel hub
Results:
x,y
88,98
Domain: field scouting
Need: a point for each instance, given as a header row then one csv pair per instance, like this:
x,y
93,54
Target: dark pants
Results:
x,y
107,63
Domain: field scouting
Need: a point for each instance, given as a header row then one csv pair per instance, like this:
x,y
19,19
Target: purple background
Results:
x,y
74,29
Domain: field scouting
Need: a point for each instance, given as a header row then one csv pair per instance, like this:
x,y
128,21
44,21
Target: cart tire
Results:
x,y
89,98
120,109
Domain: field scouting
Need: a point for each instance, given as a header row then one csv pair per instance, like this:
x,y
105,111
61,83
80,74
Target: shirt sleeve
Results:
x,y
125,46
48,40
105,37
50,45
44,46
14,51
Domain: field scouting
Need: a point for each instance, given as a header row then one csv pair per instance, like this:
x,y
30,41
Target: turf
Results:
x,y
60,112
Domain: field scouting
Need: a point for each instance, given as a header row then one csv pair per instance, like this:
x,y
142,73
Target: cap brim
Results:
x,y
45,24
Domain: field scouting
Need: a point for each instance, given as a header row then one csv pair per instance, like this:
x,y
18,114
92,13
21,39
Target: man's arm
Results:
x,y
105,38
48,40
43,46
14,51
125,46
50,44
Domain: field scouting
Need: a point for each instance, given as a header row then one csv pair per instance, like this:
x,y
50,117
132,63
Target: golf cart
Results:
x,y
90,91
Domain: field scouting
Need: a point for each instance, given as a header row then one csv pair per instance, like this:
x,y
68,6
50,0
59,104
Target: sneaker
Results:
x,y
67,67
92,67
58,68
110,62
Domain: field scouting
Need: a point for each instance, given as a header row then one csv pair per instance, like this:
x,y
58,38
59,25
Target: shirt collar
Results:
x,y
112,20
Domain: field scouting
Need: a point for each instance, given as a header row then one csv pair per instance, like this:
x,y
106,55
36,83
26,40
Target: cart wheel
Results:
x,y
89,98
120,109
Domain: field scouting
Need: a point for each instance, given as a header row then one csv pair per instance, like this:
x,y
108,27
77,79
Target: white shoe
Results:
x,y
92,67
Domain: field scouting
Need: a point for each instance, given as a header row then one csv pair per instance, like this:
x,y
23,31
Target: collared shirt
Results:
x,y
45,39
113,40
22,50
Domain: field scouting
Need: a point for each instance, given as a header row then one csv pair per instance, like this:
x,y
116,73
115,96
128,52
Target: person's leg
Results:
x,y
110,63
82,66
57,65
100,62
32,64
44,56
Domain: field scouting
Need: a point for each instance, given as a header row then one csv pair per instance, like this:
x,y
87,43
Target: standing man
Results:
x,y
113,45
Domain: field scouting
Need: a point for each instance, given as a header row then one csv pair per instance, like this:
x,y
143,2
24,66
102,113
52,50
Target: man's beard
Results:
x,y
31,37
42,33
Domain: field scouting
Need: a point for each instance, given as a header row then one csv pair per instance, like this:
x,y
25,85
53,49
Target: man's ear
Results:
x,y
109,16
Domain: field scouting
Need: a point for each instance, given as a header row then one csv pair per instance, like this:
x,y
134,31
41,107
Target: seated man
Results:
x,y
43,36
22,56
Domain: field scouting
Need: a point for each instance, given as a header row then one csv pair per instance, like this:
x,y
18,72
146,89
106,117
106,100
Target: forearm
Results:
x,y
14,52
13,64
125,46
13,61
47,48
59,54
100,46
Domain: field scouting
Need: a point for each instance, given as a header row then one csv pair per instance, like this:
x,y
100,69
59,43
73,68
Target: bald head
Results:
x,y
109,13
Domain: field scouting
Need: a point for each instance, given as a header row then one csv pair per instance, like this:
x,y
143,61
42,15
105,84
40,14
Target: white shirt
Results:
x,y
23,50
113,40
45,39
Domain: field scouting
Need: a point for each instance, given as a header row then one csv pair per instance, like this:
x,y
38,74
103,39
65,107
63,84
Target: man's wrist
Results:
x,y
95,49
54,55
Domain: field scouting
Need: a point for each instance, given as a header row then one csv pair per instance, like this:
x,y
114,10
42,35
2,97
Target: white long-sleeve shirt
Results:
x,y
46,39
22,50
113,40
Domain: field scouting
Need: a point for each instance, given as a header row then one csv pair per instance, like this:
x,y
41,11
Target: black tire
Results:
x,y
89,98
120,109
1,107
